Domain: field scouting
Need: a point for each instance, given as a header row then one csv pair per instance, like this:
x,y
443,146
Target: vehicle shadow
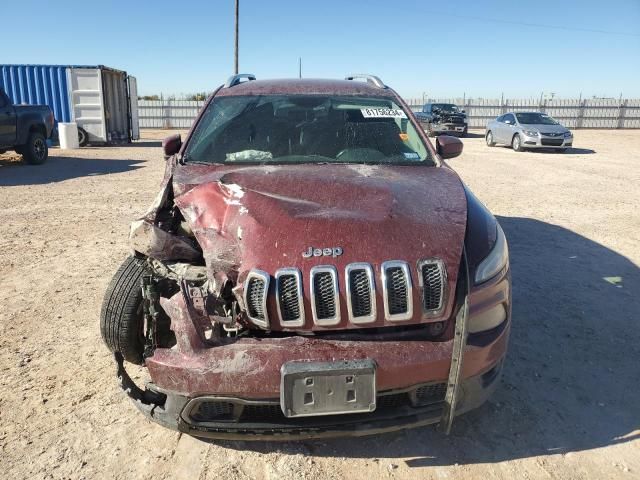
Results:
x,y
474,135
58,169
548,151
138,143
571,376
568,151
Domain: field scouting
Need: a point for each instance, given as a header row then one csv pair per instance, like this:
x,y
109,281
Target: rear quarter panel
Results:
x,y
28,117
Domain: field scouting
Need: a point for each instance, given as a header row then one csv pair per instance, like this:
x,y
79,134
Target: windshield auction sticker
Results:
x,y
382,113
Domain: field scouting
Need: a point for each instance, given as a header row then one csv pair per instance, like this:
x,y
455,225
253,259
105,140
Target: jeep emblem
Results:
x,y
322,252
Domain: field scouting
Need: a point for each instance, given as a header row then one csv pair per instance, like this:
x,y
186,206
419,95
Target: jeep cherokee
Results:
x,y
311,267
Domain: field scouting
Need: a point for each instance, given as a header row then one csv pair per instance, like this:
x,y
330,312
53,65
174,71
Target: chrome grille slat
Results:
x,y
256,289
325,300
432,278
397,291
361,295
289,297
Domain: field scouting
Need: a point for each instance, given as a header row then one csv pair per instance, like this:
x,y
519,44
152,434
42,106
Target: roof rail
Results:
x,y
372,79
235,79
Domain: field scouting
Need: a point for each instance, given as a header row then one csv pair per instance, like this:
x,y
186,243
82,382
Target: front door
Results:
x,y
7,121
508,128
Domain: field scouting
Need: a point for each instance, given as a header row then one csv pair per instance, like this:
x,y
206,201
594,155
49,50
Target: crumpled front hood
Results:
x,y
265,217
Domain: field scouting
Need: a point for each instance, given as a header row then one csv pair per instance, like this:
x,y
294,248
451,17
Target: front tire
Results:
x,y
122,317
516,143
489,139
36,150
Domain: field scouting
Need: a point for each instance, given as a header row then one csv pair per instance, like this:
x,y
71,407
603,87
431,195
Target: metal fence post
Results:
x,y
581,107
167,115
622,113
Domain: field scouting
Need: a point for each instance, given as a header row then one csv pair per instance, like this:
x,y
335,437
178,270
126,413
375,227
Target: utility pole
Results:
x,y
299,67
236,49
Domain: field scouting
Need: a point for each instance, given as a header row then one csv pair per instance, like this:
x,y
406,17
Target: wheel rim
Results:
x,y
39,148
516,143
489,138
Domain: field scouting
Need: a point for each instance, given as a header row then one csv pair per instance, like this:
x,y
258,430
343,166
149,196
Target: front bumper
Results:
x,y
173,411
449,128
546,142
241,379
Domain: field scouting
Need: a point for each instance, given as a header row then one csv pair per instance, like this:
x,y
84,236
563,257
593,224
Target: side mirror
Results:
x,y
508,122
448,146
463,111
171,145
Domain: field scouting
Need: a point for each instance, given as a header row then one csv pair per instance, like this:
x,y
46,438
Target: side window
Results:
x,y
500,118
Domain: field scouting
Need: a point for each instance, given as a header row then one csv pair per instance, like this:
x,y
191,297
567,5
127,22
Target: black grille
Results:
x,y
432,287
212,412
396,290
360,293
324,292
289,297
556,142
393,400
224,411
255,298
428,394
262,413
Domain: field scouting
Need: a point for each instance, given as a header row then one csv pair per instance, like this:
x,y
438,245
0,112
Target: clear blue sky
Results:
x,y
480,48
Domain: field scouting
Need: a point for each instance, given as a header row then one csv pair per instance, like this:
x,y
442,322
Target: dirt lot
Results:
x,y
568,406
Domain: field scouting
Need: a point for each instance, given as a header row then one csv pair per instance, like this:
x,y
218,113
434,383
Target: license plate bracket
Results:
x,y
327,388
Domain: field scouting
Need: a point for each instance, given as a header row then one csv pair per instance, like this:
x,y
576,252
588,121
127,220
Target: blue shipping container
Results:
x,y
38,85
101,100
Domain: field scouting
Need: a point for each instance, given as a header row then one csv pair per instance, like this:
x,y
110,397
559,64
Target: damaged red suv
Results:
x,y
310,268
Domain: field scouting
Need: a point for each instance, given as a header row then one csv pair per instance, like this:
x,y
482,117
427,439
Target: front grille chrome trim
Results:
x,y
404,266
265,277
335,319
297,322
443,285
372,292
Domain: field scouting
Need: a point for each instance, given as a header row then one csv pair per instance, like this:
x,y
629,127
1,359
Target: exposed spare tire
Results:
x,y
122,316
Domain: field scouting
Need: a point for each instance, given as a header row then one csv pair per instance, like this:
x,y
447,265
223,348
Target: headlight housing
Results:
x,y
497,259
531,133
568,134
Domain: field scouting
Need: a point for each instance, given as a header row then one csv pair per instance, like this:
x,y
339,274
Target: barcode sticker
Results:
x,y
382,113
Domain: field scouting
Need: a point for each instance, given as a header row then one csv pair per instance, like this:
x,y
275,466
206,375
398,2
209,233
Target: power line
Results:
x,y
537,25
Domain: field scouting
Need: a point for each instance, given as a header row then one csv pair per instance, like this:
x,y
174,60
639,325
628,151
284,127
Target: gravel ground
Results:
x,y
567,408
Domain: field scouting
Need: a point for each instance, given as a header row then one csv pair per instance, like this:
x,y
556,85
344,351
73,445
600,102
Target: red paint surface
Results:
x,y
375,213
264,217
250,367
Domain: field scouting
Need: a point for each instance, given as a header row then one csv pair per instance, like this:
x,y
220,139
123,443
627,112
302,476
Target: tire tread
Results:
x,y
120,317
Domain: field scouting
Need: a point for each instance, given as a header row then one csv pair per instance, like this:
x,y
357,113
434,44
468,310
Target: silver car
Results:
x,y
523,130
